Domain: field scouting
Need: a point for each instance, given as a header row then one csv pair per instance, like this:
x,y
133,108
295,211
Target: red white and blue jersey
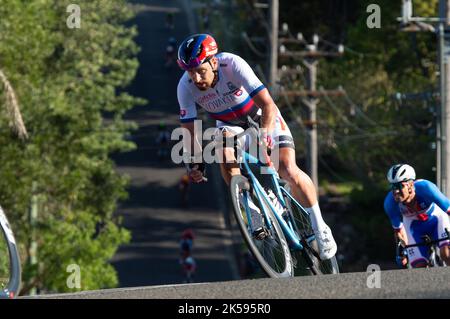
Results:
x,y
230,100
427,195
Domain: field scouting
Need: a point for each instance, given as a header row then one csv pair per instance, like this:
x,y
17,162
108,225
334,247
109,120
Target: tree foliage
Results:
x,y
70,85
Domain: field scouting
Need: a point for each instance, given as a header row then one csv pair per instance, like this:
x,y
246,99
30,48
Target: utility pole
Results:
x,y
33,218
273,56
444,77
417,24
311,103
310,96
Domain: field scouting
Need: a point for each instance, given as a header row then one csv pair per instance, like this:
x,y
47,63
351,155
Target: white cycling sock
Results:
x,y
315,214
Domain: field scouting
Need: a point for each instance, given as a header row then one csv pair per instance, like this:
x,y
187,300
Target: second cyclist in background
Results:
x,y
170,54
187,261
417,208
162,141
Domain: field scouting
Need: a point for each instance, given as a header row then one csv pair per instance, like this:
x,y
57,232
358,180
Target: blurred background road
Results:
x,y
153,212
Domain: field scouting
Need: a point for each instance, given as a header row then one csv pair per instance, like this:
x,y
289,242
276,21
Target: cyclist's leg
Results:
x,y
226,157
443,223
445,252
303,189
283,157
229,168
415,229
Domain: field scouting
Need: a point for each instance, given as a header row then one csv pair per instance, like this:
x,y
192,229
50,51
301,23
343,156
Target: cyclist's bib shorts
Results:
x,y
434,227
281,134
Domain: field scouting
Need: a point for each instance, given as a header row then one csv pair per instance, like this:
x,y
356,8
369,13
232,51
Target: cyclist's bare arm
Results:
x,y
401,235
269,109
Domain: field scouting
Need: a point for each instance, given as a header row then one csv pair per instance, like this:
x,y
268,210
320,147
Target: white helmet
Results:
x,y
401,173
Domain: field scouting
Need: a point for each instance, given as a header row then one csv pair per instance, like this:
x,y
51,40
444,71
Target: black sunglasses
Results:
x,y
397,186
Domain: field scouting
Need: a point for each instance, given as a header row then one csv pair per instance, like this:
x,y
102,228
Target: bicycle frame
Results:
x,y
294,241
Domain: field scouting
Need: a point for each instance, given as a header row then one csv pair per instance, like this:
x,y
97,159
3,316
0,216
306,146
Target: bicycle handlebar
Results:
x,y
252,131
427,243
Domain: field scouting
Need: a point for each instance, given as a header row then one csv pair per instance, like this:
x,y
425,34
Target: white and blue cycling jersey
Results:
x,y
427,194
428,217
230,101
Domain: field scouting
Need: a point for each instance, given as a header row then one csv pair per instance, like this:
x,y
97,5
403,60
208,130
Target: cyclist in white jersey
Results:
x,y
227,88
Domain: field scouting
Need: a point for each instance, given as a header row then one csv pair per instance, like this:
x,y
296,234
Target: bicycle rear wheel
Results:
x,y
10,271
309,256
272,251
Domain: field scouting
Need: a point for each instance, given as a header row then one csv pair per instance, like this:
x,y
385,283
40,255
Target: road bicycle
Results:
x,y
10,270
280,235
434,259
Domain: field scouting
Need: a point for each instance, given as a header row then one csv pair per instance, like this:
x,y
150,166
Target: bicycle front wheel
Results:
x,y
310,254
270,250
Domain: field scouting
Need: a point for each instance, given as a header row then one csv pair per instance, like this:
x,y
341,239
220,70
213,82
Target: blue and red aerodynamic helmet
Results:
x,y
195,50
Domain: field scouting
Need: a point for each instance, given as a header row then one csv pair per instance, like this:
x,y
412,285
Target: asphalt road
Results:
x,y
153,213
399,284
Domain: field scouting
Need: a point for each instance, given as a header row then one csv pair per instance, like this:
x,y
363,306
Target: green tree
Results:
x,y
70,84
